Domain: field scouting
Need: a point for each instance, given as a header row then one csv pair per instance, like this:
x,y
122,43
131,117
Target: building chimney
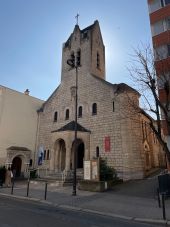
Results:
x,y
26,92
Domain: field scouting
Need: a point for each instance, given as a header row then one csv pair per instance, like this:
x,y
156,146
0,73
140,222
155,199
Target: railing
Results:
x,y
40,172
44,172
68,174
64,174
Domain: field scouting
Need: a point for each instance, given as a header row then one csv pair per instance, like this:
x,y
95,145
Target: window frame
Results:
x,y
113,106
80,113
44,155
97,152
55,116
48,154
67,114
98,60
78,57
94,108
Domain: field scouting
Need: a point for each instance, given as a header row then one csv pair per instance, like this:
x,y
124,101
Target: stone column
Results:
x,y
56,158
86,150
68,156
52,162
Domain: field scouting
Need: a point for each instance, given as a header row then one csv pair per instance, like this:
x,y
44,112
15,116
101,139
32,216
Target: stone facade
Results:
x,y
111,125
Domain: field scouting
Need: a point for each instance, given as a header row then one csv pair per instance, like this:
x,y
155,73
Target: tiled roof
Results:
x,y
71,127
16,148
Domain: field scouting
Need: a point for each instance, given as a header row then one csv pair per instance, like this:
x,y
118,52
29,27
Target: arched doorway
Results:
x,y
60,155
80,155
16,166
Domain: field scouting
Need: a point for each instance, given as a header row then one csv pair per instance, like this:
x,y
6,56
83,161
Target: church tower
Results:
x,y
85,46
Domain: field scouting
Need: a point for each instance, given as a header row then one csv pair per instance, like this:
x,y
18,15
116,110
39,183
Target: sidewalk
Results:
x,y
132,200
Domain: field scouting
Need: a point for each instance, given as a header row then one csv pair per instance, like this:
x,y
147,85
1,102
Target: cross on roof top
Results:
x,y
77,18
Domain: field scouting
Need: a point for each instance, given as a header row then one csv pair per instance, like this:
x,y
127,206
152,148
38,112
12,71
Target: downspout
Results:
x,y
36,140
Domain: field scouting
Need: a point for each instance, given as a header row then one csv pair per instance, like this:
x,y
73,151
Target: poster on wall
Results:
x,y
87,170
40,155
107,144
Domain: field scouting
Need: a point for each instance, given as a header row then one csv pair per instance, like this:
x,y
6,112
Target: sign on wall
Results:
x,y
87,170
107,144
91,170
94,170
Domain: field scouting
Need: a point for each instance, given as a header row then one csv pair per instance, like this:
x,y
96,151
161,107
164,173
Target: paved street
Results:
x,y
14,213
134,200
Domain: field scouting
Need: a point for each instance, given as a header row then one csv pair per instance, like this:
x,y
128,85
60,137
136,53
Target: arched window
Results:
x,y
98,60
48,154
67,114
44,157
113,106
55,116
78,60
97,152
80,111
30,164
71,60
94,109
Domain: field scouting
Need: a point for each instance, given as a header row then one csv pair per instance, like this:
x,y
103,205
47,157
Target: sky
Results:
x,y
32,33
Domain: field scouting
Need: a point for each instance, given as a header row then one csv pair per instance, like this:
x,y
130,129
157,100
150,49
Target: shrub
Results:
x,y
33,174
107,173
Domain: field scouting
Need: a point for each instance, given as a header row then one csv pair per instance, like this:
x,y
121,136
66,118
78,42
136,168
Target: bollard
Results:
x,y
28,186
12,188
45,195
163,206
159,200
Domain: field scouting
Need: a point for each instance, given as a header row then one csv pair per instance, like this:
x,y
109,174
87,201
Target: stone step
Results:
x,y
52,182
57,177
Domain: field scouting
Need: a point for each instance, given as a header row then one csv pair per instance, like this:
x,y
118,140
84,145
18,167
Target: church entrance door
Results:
x,y
80,155
16,166
60,155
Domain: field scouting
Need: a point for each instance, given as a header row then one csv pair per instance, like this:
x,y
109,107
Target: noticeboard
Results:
x,y
91,170
95,169
87,170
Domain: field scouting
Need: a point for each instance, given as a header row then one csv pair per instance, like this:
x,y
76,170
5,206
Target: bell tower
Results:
x,y
86,48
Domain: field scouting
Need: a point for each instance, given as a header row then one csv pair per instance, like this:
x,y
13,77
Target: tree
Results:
x,y
148,78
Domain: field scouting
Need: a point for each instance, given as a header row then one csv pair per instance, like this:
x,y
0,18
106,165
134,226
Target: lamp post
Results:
x,y
75,140
71,62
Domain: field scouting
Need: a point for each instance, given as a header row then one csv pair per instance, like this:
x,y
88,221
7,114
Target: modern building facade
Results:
x,y
159,11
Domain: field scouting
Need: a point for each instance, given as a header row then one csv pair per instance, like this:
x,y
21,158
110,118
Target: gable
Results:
x,y
49,99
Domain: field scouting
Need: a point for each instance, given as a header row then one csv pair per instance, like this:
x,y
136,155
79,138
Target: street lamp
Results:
x,y
71,62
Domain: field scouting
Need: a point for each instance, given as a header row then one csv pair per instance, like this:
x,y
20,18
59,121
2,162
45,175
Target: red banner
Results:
x,y
107,144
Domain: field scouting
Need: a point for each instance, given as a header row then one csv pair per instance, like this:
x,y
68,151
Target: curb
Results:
x,y
73,208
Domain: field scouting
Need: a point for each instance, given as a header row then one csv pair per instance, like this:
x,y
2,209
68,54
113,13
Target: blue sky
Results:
x,y
32,33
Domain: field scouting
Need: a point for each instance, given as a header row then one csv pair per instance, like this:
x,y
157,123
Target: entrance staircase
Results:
x,y
61,178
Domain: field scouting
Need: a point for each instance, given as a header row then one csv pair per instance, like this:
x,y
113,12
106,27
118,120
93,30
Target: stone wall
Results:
x,y
121,125
124,133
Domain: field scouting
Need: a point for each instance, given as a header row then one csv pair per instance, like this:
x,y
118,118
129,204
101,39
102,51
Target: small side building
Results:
x,y
18,128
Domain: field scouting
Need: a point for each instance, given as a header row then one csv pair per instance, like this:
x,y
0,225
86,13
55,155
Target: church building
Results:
x,y
107,126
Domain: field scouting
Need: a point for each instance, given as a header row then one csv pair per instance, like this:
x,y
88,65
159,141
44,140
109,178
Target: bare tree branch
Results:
x,y
144,73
